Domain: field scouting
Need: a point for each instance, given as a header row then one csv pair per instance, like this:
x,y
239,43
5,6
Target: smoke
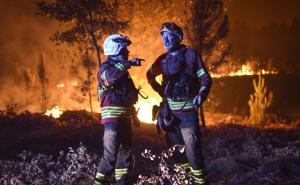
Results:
x,y
23,38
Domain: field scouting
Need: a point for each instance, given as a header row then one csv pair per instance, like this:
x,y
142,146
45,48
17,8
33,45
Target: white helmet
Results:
x,y
114,43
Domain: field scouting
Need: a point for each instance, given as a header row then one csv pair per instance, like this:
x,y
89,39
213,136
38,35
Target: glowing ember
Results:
x,y
74,84
55,112
60,85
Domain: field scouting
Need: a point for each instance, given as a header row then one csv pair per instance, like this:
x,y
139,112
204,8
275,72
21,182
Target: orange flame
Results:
x,y
55,112
244,71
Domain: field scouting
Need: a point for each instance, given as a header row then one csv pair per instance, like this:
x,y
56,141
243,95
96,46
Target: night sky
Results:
x,y
258,28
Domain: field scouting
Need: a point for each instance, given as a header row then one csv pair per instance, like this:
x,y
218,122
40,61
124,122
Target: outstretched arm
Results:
x,y
108,75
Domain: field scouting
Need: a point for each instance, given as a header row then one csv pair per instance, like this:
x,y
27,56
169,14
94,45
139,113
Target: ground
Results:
x,y
67,150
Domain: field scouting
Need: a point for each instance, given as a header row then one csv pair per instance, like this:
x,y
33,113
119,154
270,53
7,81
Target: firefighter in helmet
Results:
x,y
117,95
185,86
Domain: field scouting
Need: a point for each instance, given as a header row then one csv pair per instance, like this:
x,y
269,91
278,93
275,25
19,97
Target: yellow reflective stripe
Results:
x,y
121,169
113,116
98,175
200,72
101,89
113,107
176,105
104,78
113,111
118,178
102,176
120,66
121,173
186,165
197,172
199,180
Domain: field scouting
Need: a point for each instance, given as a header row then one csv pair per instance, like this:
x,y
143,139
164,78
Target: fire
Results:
x,y
244,71
60,85
55,112
145,109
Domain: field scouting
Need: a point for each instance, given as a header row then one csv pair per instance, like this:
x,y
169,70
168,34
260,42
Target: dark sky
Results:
x,y
258,13
257,28
266,29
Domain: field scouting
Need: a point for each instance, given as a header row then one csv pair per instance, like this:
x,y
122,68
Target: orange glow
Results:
x,y
245,70
60,85
145,109
55,112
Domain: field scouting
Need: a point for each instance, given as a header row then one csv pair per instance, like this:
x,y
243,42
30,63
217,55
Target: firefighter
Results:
x,y
117,95
185,86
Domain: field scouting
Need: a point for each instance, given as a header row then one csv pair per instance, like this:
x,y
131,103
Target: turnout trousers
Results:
x,y
187,132
117,150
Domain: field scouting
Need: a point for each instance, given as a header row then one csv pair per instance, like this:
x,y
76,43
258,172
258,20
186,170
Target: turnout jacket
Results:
x,y
169,66
116,91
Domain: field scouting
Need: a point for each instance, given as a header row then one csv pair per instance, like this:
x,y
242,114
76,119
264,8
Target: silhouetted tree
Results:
x,y
83,21
26,78
88,65
43,82
206,32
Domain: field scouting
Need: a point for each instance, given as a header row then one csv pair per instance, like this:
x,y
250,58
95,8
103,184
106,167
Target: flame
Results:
x,y
55,112
245,70
145,109
74,84
60,85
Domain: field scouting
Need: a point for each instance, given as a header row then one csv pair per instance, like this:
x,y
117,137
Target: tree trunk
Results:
x,y
200,50
90,99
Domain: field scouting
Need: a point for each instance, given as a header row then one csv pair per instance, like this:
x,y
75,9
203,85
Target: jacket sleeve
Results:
x,y
203,76
153,72
108,75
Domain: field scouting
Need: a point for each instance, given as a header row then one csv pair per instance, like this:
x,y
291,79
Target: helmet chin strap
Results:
x,y
174,50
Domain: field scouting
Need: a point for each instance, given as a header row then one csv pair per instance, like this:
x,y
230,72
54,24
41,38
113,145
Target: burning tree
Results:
x,y
43,82
207,30
83,21
26,78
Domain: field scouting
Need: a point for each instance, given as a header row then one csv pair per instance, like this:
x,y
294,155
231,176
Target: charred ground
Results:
x,y
234,153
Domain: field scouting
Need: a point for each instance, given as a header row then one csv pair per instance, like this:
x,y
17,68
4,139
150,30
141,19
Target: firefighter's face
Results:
x,y
170,41
124,53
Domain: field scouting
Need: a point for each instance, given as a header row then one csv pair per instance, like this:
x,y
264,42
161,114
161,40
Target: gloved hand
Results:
x,y
197,101
136,61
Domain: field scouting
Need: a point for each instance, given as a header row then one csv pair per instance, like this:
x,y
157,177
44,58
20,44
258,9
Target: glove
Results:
x,y
197,101
136,61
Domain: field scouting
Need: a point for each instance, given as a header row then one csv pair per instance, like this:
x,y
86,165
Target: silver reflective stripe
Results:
x,y
119,172
203,88
120,66
177,105
113,112
104,78
200,72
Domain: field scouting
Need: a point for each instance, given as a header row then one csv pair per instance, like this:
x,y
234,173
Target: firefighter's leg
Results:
x,y
174,137
124,156
191,136
110,151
